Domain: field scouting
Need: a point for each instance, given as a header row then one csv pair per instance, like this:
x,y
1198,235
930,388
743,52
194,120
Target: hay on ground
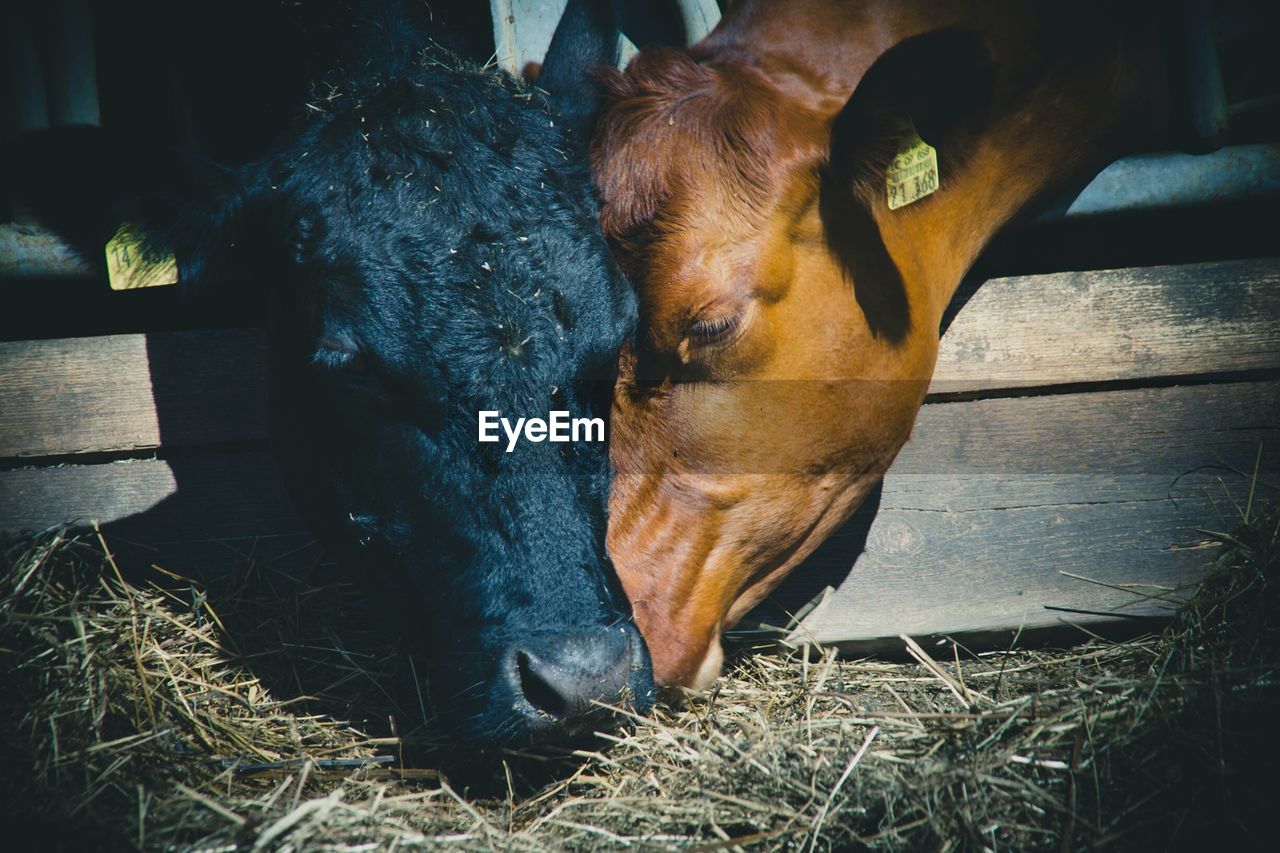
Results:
x,y
139,715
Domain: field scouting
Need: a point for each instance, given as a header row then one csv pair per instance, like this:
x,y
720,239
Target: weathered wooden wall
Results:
x,y
1083,429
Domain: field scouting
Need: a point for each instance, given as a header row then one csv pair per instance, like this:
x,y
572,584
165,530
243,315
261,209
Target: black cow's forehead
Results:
x,y
459,231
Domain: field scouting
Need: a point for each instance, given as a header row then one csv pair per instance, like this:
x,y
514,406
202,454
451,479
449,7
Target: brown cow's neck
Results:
x,y
818,65
1022,156
935,241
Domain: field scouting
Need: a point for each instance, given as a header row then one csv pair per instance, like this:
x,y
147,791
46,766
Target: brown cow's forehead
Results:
x,y
684,145
703,255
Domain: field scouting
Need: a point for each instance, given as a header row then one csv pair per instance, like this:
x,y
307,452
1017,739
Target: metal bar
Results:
x,y
1209,116
522,29
73,79
1151,182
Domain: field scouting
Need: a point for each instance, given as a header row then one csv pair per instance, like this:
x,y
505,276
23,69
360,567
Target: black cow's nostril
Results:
x,y
568,677
541,692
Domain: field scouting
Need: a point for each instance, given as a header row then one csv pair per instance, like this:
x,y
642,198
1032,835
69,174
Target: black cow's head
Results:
x,y
429,241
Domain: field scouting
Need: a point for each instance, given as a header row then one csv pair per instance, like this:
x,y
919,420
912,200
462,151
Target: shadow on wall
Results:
x,y
207,508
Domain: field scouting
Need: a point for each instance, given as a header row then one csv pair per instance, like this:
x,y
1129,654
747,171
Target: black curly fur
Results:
x,y
429,241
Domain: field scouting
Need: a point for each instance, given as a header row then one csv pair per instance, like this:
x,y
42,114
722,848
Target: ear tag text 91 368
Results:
x,y
128,268
913,173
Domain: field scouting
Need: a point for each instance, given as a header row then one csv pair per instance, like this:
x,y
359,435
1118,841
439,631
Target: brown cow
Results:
x,y
790,318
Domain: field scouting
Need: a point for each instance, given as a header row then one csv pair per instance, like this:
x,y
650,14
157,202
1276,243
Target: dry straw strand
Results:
x,y
142,720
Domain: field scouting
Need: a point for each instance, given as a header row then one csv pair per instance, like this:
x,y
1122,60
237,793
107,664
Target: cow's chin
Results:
x,y
712,664
691,575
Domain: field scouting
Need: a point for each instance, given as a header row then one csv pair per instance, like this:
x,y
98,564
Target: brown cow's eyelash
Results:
x,y
713,330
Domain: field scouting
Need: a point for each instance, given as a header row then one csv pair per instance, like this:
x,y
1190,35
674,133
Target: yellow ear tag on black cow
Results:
x,y
913,174
128,268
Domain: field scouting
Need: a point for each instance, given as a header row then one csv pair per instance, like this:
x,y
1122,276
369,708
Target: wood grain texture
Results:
x,y
1114,325
129,392
29,250
992,501
987,506
998,571
199,517
208,497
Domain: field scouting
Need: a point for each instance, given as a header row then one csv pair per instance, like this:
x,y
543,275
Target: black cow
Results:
x,y
428,237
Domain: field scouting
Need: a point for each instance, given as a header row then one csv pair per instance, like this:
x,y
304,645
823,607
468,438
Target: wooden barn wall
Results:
x,y
1083,431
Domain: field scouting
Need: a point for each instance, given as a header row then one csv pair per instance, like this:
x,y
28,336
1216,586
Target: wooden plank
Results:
x,y
129,392
208,497
986,575
992,501
522,29
199,517
1105,434
985,509
31,251
1112,325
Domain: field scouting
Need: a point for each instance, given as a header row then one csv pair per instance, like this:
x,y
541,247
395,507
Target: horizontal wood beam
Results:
x,y
1114,325
121,393
125,393
997,511
992,518
208,497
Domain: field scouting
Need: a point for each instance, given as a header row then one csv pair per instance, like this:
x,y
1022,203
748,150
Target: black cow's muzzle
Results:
x,y
570,681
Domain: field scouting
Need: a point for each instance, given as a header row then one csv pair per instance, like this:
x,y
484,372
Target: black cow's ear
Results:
x,y
84,183
585,39
936,85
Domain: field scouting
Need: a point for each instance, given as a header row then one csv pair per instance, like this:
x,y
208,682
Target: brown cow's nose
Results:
x,y
566,678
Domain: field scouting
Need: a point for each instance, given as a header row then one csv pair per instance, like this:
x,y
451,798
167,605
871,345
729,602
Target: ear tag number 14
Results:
x,y
129,269
913,174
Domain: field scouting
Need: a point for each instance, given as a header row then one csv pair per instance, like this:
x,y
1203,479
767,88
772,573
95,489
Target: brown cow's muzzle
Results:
x,y
693,561
689,657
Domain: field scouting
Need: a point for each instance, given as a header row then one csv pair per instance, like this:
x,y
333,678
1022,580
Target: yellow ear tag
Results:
x,y
128,269
913,174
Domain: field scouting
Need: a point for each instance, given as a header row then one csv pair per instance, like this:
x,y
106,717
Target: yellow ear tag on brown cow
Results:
x,y
128,268
913,174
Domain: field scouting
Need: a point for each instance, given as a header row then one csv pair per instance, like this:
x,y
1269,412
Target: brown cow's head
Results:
x,y
789,319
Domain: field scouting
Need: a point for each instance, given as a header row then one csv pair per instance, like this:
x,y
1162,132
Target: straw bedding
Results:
x,y
269,711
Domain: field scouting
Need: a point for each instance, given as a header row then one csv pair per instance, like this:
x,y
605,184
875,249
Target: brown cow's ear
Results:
x,y
937,84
